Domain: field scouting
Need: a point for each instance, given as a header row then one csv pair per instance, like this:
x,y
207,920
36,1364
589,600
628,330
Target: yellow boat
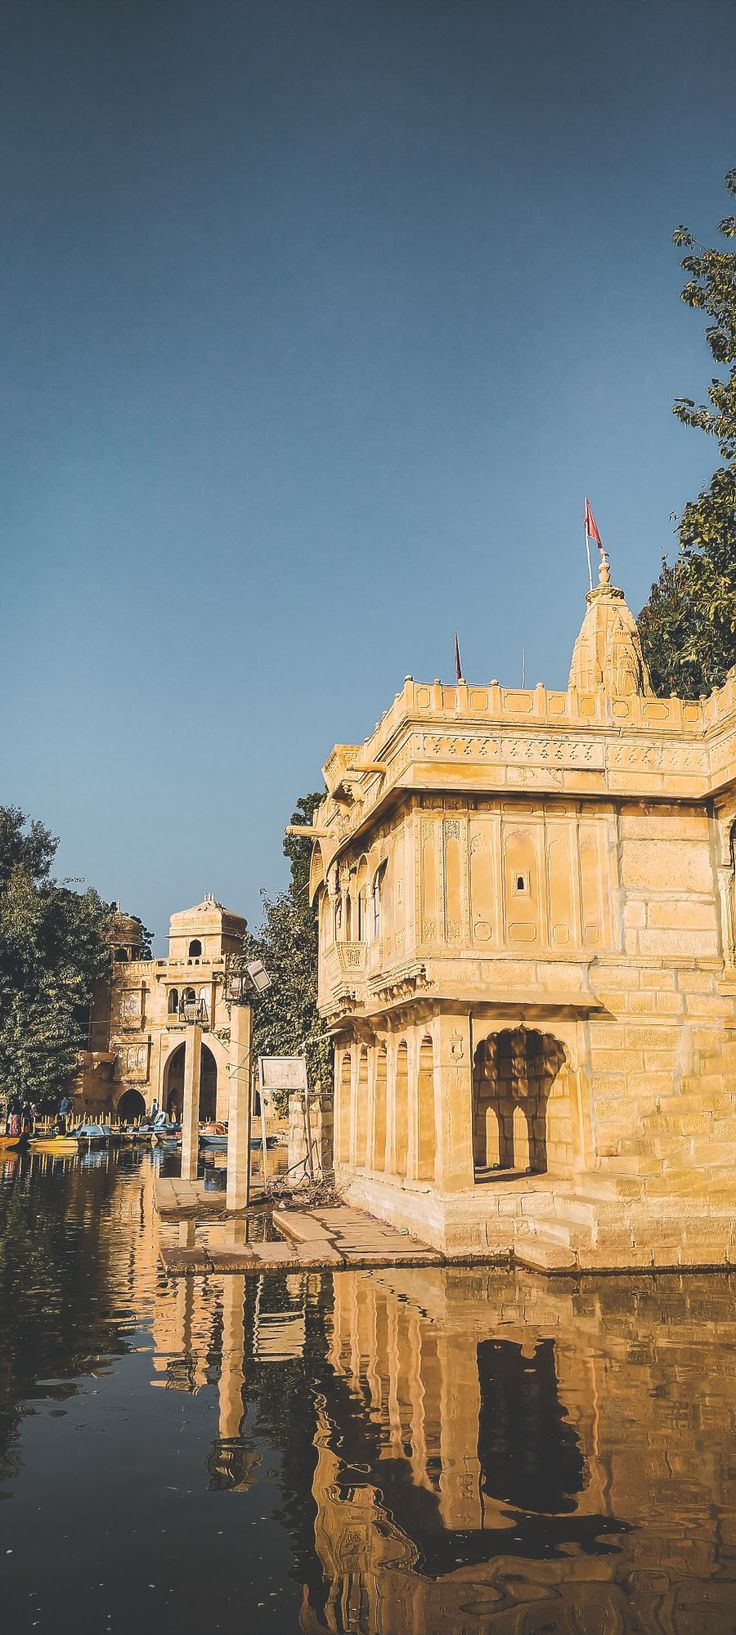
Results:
x,y
59,1144
11,1143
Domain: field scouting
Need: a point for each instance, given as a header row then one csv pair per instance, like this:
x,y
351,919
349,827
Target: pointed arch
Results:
x,y
343,1109
401,1121
380,1095
426,1137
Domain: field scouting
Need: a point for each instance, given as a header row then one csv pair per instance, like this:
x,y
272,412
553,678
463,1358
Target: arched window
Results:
x,y
121,955
190,996
376,906
173,1001
361,899
195,948
338,917
348,917
343,1110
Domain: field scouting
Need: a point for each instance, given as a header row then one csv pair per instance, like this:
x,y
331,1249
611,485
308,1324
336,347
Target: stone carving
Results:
x,y
527,747
607,654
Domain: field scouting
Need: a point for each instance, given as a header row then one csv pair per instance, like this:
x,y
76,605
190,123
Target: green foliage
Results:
x,y
52,948
285,1017
688,625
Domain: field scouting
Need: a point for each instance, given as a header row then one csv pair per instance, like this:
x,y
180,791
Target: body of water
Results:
x,y
425,1452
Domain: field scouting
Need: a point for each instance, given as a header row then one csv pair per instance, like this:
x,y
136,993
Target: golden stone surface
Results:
x,y
136,1038
526,917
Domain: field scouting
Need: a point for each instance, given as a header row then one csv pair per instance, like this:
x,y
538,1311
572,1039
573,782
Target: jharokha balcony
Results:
x,y
351,956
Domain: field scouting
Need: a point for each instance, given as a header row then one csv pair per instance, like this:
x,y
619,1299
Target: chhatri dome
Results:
x,y
608,654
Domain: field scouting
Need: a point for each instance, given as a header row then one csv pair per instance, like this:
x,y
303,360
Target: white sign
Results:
x,y
282,1073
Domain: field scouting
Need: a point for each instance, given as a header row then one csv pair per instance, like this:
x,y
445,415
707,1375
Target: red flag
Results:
x,y
591,526
458,666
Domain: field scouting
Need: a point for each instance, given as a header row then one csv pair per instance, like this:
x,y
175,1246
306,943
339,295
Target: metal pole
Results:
x,y
308,1135
587,553
263,1137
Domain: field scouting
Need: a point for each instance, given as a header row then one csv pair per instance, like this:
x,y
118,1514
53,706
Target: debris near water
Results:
x,y
311,1195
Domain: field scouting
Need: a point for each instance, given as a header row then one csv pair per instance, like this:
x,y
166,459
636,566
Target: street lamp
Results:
x,y
241,984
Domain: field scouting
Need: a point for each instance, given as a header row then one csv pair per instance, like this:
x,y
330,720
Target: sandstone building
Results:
x,y
137,1030
526,915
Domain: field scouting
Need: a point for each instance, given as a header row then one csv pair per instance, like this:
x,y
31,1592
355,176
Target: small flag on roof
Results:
x,y
591,526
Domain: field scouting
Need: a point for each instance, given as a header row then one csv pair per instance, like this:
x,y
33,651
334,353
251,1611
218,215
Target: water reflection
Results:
x,y
413,1451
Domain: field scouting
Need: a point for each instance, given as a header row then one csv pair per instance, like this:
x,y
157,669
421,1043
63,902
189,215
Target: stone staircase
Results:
x,y
615,1222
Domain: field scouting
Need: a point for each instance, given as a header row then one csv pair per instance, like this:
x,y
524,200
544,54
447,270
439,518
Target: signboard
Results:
x,y
282,1073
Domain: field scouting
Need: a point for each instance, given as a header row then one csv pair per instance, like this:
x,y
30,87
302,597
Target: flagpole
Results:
x,y
587,551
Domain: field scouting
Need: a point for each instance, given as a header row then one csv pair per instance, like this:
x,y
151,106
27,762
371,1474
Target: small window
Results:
x,y
195,948
521,884
121,955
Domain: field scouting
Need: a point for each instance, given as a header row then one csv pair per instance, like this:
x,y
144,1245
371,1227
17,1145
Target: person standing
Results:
x,y
65,1108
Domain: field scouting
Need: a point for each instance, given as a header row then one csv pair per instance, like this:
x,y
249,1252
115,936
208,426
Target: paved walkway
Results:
x,y
191,1200
309,1240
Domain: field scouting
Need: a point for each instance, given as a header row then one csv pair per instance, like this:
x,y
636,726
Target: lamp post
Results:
x,y
240,986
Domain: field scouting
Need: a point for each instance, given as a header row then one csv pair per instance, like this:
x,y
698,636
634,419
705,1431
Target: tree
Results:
x,y
52,949
285,1018
688,625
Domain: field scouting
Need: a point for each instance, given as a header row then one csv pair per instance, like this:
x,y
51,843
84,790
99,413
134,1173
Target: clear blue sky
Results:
x,y
320,317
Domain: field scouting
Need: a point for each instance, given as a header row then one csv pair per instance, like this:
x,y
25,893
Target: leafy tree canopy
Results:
x,y
52,948
285,1017
688,625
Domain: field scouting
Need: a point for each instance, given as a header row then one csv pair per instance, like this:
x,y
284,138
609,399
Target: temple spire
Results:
x,y
607,655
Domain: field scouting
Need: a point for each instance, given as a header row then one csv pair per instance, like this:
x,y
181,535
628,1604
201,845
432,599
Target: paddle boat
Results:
x,y
213,1135
60,1146
13,1143
167,1136
90,1134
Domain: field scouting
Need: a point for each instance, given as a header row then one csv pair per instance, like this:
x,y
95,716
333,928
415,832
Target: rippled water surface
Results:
x,y
397,1453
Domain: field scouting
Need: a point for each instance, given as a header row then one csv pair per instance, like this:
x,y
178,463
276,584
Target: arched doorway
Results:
x,y
425,1113
514,1072
380,1094
343,1110
401,1121
361,1111
131,1105
174,1084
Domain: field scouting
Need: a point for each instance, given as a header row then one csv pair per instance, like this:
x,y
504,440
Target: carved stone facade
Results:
x,y
136,1036
527,926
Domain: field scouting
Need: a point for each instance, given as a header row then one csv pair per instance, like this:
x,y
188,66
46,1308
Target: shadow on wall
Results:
x,y
514,1071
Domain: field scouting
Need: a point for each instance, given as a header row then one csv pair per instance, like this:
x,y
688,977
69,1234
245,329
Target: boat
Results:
x,y
92,1135
13,1143
58,1145
213,1135
167,1136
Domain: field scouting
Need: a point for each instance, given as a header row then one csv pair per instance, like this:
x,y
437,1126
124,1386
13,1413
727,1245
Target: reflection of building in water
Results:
x,y
136,1042
527,942
498,1482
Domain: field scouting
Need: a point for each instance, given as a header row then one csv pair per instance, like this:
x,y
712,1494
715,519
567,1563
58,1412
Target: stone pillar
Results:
x,y
454,1167
232,1366
190,1110
239,1108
